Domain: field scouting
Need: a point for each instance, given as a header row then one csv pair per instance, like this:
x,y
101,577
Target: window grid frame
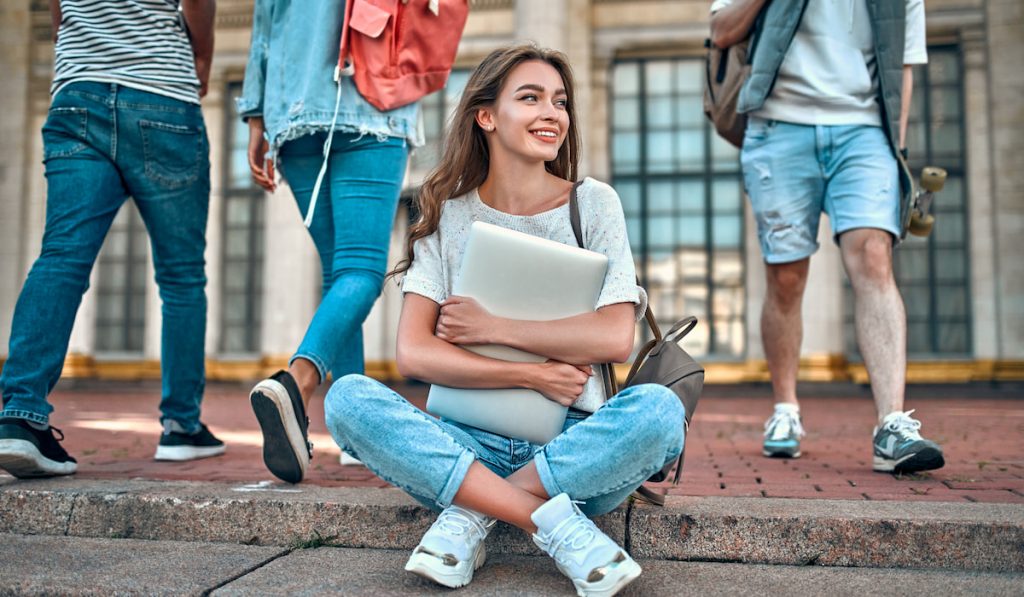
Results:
x,y
707,176
253,196
923,156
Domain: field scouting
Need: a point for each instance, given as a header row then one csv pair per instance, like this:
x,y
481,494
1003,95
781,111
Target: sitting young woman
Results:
x,y
510,159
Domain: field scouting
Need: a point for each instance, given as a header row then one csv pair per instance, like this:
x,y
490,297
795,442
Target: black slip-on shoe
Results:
x,y
277,403
29,452
177,446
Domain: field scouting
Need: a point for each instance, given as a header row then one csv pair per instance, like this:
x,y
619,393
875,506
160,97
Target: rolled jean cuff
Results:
x,y
455,479
26,415
321,368
547,478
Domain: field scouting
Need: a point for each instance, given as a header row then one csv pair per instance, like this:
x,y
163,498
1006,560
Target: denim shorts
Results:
x,y
793,172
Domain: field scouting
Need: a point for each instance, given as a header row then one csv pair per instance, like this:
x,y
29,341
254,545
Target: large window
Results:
x,y
682,194
933,272
242,274
121,287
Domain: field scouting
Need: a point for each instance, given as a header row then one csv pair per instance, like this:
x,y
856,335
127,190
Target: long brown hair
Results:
x,y
465,158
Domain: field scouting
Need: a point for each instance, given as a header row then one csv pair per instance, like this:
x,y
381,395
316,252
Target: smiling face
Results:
x,y
529,119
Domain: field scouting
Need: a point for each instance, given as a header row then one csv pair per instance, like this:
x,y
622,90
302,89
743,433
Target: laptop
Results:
x,y
518,276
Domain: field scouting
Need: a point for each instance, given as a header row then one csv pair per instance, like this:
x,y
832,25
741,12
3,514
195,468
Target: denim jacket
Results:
x,y
289,77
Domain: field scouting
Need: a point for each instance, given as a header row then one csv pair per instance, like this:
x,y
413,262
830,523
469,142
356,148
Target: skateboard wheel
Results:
x,y
921,225
933,179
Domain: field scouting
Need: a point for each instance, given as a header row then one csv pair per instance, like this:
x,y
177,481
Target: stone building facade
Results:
x,y
639,73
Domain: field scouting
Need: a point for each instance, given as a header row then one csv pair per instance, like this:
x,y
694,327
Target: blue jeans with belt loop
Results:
x,y
103,143
351,229
598,459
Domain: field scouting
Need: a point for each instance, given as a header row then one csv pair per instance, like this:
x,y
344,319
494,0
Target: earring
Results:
x,y
488,128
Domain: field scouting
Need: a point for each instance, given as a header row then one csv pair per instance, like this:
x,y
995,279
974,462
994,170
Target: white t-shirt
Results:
x,y
829,75
438,257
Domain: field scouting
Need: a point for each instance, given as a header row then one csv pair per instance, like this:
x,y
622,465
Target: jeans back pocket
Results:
x,y
172,153
65,132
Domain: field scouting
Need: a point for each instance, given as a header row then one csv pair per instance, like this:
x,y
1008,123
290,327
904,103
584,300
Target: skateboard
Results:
x,y
918,218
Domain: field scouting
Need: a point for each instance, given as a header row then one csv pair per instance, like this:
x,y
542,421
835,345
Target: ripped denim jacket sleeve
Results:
x,y
250,104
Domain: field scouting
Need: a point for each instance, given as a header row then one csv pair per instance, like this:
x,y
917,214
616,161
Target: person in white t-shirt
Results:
x,y
510,158
820,137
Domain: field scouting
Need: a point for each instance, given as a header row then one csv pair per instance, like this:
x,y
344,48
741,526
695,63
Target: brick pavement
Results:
x,y
112,429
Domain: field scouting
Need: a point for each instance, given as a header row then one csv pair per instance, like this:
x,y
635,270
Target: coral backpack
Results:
x,y
398,51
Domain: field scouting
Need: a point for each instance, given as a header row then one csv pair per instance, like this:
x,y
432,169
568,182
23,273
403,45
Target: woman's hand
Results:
x,y
561,382
463,321
262,169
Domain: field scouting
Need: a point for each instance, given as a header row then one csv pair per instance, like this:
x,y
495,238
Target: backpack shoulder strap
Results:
x,y
574,214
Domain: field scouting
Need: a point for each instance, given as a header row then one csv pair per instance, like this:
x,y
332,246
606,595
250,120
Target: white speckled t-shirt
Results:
x,y
438,257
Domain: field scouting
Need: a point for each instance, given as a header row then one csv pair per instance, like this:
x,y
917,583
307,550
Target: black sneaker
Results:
x,y
178,446
277,403
28,452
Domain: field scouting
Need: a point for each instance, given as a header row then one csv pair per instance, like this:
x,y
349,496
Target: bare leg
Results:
x,y
782,325
485,492
879,316
306,376
528,479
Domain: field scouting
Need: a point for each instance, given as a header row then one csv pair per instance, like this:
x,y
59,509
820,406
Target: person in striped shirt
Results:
x,y
124,121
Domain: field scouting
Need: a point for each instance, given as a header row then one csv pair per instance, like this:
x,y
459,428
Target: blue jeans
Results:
x,y
351,229
793,172
598,459
103,143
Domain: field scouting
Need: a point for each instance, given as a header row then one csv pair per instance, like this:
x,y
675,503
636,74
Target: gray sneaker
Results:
x,y
899,448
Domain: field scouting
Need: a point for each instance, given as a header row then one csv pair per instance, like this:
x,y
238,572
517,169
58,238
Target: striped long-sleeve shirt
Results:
x,y
142,44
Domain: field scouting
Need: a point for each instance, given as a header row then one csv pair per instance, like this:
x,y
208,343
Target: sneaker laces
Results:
x,y
573,534
458,521
61,438
904,425
781,424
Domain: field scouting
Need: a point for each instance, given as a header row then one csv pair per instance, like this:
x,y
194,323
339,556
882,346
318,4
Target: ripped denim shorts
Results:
x,y
793,172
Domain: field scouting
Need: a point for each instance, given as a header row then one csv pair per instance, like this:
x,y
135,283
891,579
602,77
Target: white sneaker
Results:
x,y
453,547
346,459
593,562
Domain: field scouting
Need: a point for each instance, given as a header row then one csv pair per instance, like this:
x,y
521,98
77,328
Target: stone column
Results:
x,y
823,355
15,129
215,119
982,250
291,276
578,45
544,21
1005,24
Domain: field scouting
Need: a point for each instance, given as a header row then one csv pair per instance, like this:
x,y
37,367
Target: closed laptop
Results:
x,y
518,276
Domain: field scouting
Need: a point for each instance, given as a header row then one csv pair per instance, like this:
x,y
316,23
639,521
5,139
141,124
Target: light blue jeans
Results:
x,y
599,459
101,144
351,229
793,172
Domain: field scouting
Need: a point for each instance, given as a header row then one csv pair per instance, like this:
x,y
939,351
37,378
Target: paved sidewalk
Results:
x,y
49,565
112,429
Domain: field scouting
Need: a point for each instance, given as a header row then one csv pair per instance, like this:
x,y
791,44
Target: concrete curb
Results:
x,y
970,536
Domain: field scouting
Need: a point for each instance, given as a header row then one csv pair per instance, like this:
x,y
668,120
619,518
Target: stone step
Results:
x,y
32,565
954,536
